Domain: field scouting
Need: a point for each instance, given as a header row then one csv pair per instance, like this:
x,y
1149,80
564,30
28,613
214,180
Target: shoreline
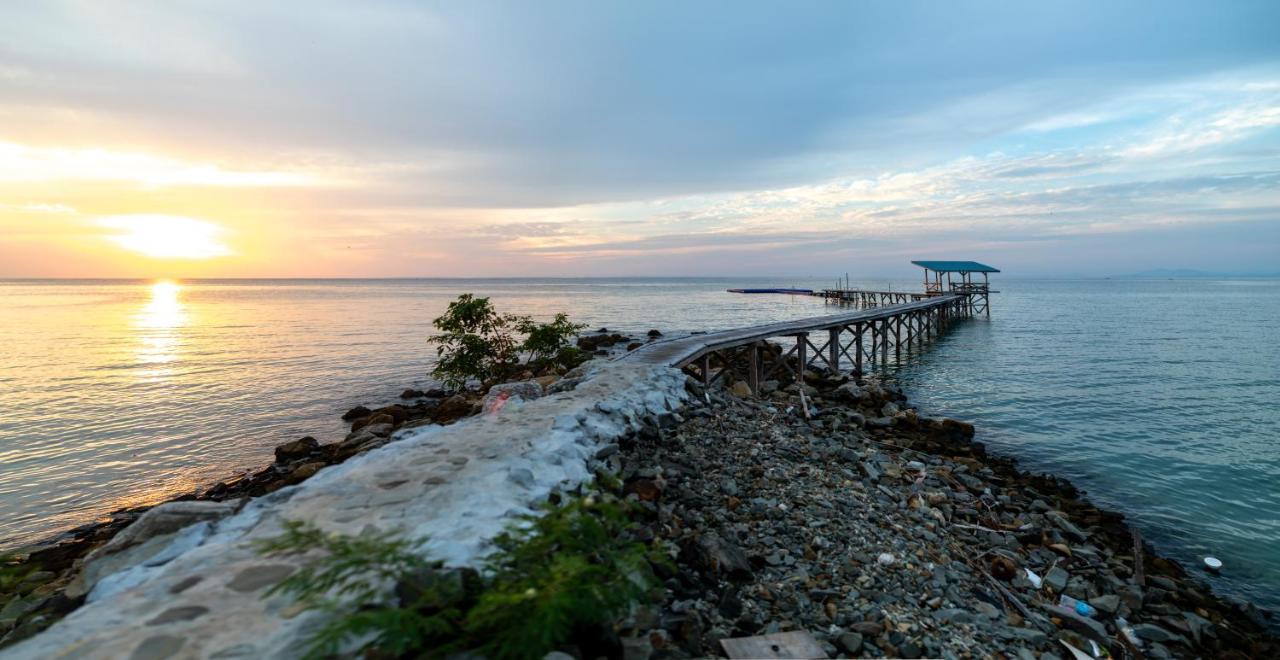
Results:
x,y
871,530
373,428
50,581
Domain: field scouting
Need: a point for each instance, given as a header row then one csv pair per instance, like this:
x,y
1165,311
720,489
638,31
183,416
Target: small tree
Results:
x,y
543,341
475,341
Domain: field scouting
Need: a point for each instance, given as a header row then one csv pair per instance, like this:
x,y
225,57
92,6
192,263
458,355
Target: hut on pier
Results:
x,y
977,293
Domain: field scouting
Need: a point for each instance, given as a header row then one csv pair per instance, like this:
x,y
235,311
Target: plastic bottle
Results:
x,y
1079,606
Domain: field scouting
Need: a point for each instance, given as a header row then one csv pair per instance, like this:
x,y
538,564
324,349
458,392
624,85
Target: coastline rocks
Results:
x,y
601,341
356,413
902,538
525,390
146,539
300,448
452,409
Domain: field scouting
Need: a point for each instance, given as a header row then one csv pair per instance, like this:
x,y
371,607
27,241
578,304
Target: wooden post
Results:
x,y
802,345
857,352
833,349
706,370
753,364
897,336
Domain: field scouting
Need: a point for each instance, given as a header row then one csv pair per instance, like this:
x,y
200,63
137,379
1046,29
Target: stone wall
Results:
x,y
198,592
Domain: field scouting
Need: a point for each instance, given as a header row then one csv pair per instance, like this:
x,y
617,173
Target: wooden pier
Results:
x,y
878,324
849,341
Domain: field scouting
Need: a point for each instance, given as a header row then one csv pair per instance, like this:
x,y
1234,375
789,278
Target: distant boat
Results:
x,y
795,292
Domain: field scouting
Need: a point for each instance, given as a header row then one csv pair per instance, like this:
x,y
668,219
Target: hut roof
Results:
x,y
956,266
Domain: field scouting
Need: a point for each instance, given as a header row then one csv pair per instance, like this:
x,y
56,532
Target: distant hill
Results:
x,y
1186,273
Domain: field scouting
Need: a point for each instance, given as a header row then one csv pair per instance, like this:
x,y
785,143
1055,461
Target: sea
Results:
x,y
1159,398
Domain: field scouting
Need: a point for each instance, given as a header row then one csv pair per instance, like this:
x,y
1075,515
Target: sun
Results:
x,y
166,236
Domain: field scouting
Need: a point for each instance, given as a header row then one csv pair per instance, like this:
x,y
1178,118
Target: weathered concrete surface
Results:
x,y
458,485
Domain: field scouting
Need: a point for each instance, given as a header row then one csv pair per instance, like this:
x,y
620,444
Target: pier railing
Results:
x,y
849,341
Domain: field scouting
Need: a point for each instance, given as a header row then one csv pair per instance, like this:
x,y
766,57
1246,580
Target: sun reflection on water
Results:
x,y
159,325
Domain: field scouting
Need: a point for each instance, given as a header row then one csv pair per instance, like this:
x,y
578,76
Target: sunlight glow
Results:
x,y
159,326
166,236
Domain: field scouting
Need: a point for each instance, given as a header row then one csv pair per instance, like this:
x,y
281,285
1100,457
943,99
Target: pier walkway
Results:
x,y
849,340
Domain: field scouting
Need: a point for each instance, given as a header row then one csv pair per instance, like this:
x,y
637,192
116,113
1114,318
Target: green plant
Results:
x,y
347,580
13,572
576,565
543,341
477,342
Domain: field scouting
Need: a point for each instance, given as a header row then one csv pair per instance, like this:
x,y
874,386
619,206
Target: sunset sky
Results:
x,y
373,139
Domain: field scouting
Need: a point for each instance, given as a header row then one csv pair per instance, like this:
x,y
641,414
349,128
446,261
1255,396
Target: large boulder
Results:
x,y
452,409
292,451
525,390
147,538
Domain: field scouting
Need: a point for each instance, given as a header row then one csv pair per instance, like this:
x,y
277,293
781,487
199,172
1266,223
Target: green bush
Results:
x,y
544,340
577,565
477,342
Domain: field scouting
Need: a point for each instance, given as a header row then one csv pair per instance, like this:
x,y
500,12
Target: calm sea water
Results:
x,y
1157,397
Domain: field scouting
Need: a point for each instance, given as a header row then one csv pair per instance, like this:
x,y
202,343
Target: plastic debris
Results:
x,y
1079,606
1034,579
885,559
1213,564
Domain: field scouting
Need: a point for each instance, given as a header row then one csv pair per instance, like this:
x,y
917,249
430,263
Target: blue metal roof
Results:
x,y
956,266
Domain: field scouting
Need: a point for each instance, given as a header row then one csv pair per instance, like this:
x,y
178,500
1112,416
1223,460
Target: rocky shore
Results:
x,y
863,529
43,582
827,518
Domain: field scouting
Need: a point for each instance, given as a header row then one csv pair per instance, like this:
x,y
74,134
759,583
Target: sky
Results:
x,y
387,139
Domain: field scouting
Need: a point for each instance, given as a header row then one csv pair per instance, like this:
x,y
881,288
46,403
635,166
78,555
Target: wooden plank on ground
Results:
x,y
794,644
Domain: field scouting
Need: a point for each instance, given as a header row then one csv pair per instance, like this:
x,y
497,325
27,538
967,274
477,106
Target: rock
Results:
x,y
397,414
451,409
634,345
740,389
850,392
868,628
646,489
1056,579
1091,627
654,334
957,430
304,471
879,422
158,647
292,451
147,537
607,451
381,430
849,642
1153,633
724,557
566,384
411,393
1060,519
254,578
356,413
546,382
1107,604
525,390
